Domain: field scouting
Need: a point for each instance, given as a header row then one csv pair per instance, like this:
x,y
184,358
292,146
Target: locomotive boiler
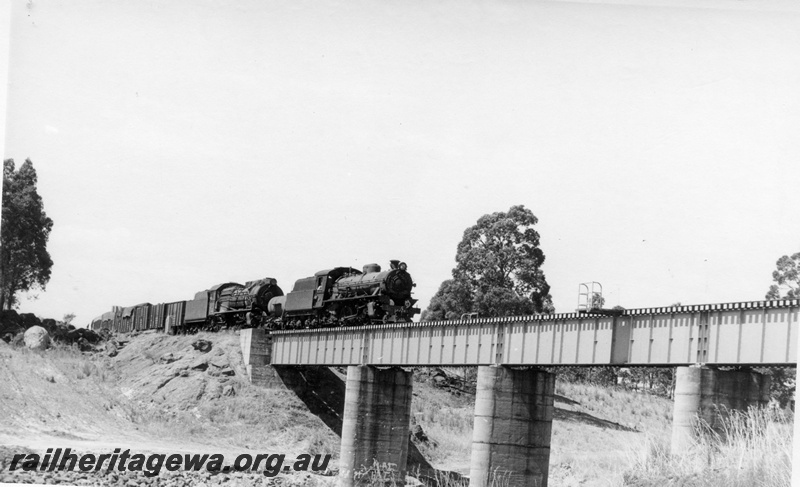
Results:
x,y
347,296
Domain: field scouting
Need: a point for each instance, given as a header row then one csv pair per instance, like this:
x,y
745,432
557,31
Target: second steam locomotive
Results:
x,y
341,296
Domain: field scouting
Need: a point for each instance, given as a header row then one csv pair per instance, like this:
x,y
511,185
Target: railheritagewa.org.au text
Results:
x,y
151,465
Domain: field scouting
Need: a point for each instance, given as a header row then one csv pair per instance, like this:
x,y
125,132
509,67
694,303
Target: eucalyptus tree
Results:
x,y
498,270
25,263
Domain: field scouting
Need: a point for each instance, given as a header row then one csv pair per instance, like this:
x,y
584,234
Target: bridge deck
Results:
x,y
745,333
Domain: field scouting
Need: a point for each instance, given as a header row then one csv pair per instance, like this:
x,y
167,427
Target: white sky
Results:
x,y
185,143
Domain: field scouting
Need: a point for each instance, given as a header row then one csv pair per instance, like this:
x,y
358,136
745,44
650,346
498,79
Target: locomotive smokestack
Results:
x,y
394,263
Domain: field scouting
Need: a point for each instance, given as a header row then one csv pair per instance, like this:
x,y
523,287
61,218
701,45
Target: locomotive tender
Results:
x,y
341,296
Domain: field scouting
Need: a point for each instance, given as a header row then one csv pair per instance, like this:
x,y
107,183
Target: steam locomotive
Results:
x,y
341,296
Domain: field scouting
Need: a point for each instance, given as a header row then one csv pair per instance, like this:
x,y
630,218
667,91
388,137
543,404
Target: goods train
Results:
x,y
341,296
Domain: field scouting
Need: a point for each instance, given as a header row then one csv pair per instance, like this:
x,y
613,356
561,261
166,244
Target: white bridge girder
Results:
x,y
744,333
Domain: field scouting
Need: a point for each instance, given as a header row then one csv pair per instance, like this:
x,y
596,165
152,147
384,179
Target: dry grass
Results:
x,y
753,449
57,391
593,430
254,419
379,475
447,420
591,438
385,475
636,410
69,362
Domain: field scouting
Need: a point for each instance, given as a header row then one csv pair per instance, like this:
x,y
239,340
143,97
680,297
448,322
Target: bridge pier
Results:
x,y
513,424
704,393
376,423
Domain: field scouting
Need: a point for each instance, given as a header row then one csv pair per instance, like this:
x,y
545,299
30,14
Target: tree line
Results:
x,y
498,273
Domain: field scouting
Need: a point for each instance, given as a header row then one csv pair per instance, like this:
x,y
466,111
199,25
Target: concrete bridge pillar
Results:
x,y
707,394
513,423
377,418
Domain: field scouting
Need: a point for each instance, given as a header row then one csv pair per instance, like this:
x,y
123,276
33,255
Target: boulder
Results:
x,y
29,320
84,345
37,338
10,323
58,334
111,348
202,345
49,324
201,363
228,391
219,361
167,358
213,390
76,334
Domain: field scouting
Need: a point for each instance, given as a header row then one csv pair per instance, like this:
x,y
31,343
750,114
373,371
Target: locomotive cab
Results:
x,y
312,293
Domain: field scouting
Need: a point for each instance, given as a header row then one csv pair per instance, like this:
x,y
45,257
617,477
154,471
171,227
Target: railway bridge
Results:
x,y
514,397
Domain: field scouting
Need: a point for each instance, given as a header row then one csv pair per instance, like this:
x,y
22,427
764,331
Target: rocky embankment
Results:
x,y
151,393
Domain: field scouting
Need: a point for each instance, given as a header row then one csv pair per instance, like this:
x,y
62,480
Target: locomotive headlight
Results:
x,y
403,266
408,303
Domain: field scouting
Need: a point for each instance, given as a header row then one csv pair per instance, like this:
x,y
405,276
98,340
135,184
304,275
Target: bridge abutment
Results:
x,y
707,394
513,425
377,418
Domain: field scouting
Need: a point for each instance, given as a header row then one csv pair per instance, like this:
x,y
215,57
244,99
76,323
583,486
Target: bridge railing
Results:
x,y
755,332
